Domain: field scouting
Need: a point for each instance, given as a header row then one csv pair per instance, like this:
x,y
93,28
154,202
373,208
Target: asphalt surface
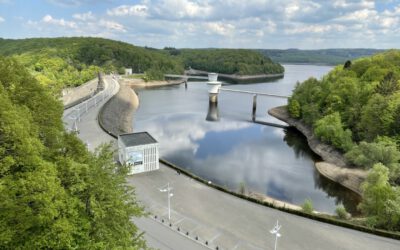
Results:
x,y
157,235
224,221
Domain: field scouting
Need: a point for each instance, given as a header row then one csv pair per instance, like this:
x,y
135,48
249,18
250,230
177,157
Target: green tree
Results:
x,y
294,108
380,200
330,129
54,194
383,150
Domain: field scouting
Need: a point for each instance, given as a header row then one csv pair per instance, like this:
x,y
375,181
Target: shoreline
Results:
x,y
140,83
115,123
334,165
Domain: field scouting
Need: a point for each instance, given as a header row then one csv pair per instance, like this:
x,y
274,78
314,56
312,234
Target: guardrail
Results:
x,y
80,109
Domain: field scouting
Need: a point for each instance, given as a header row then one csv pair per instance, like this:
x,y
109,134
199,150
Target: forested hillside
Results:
x,y
356,108
227,61
54,194
322,56
61,62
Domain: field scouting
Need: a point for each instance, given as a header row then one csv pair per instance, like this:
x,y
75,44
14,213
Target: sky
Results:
x,y
267,24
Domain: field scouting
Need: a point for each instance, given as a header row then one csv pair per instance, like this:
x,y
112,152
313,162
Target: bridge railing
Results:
x,y
254,93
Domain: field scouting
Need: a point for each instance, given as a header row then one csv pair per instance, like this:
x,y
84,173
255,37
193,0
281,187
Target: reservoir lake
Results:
x,y
233,151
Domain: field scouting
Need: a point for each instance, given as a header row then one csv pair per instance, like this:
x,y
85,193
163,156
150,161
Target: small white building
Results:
x,y
128,71
139,150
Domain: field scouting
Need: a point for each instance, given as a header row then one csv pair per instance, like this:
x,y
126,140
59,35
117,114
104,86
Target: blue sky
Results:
x,y
278,24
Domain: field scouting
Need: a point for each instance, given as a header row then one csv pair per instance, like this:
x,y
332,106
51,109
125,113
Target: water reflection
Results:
x,y
213,112
273,161
231,152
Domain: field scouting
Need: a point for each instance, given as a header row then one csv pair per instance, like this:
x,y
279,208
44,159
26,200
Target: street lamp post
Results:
x,y
275,231
168,190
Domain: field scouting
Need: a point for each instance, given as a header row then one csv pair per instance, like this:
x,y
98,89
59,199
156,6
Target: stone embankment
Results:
x,y
117,114
139,83
73,96
335,166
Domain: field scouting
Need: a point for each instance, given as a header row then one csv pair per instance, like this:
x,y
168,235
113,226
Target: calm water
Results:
x,y
231,151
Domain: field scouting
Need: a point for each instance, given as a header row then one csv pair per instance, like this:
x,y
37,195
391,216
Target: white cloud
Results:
x,y
48,19
250,23
1,19
219,28
111,25
182,9
315,28
129,10
84,16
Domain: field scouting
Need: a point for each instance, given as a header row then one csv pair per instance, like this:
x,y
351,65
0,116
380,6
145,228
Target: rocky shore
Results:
x,y
334,166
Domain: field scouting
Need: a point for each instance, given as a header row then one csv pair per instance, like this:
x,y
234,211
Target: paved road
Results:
x,y
157,235
221,219
232,223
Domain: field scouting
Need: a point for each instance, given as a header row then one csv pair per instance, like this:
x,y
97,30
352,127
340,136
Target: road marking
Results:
x,y
215,237
179,221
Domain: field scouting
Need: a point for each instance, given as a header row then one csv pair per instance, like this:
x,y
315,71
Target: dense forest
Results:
x,y
227,61
68,62
322,56
356,108
54,193
61,62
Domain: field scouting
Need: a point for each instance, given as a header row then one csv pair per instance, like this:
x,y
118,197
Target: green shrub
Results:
x,y
341,212
294,108
307,206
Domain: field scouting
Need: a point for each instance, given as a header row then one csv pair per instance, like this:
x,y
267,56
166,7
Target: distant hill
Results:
x,y
60,62
323,56
228,61
63,62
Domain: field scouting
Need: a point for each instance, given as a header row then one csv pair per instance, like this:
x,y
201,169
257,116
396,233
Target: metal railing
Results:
x,y
82,108
254,93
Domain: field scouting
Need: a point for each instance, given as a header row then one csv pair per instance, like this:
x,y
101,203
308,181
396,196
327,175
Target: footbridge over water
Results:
x,y
216,88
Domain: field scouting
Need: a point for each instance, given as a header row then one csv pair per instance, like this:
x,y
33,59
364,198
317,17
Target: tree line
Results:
x,y
69,62
356,108
227,61
54,193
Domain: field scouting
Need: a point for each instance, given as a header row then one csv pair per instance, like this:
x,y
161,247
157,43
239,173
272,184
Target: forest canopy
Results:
x,y
54,193
228,61
356,108
69,62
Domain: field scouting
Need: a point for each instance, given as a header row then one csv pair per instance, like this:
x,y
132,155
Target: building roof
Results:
x,y
135,139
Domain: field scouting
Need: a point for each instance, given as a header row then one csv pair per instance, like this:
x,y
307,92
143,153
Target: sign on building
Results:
x,y
139,151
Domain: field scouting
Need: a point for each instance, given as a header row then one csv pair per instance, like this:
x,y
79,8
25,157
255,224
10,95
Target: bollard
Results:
x,y
187,233
197,238
206,243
